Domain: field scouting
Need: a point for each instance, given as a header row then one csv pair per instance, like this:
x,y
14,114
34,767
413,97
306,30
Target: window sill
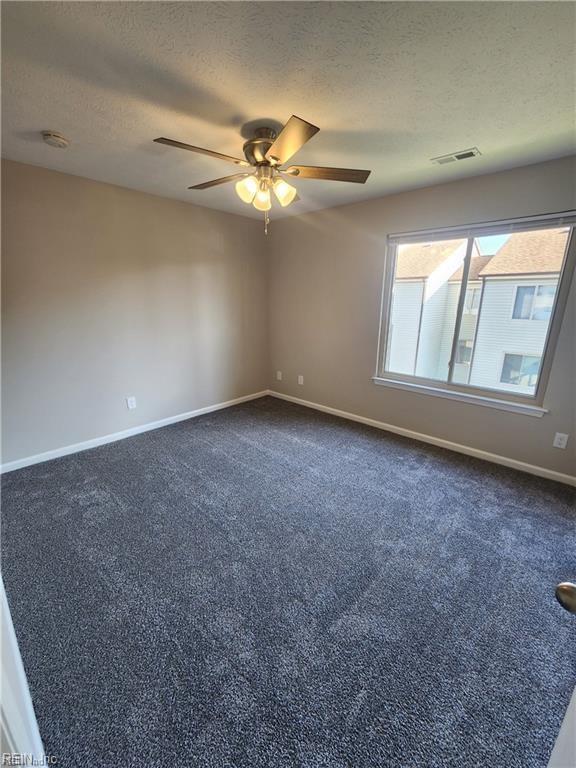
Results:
x,y
463,397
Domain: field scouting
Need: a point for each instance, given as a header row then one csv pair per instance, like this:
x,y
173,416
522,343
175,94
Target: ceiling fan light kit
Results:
x,y
262,200
265,153
285,193
246,189
255,189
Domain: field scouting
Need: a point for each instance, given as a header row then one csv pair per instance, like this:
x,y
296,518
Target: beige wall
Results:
x,y
325,285
109,292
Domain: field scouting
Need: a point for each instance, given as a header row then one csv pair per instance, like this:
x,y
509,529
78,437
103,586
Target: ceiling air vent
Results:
x,y
464,154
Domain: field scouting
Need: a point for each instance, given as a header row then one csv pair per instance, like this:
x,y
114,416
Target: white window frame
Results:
x,y
531,405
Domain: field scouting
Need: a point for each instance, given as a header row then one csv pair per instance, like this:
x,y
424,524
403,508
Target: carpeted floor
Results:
x,y
268,586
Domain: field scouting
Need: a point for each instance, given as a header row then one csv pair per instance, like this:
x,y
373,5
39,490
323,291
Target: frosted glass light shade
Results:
x,y
247,188
284,192
262,200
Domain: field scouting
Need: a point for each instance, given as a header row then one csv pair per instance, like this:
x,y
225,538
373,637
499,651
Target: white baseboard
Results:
x,y
465,449
532,469
113,437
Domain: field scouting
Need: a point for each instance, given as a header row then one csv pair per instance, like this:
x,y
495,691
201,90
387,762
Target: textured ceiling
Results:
x,y
390,84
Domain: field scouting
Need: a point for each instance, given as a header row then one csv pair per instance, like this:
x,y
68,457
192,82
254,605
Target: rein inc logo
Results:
x,y
27,759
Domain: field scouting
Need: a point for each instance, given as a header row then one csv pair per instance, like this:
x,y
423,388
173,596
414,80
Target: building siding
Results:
x,y
404,325
498,333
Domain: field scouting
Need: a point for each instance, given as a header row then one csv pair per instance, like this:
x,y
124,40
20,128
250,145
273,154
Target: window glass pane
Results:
x,y
523,302
464,352
530,370
508,303
543,302
520,370
511,369
469,321
519,283
472,300
424,304
475,301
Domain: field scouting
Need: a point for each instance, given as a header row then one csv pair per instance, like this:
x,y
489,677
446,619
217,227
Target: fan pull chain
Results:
x,y
266,222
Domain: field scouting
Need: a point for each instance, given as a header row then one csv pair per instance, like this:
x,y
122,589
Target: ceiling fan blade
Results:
x,y
291,138
201,151
223,180
327,174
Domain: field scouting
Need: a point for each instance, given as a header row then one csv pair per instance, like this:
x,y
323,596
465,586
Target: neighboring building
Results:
x,y
507,309
424,308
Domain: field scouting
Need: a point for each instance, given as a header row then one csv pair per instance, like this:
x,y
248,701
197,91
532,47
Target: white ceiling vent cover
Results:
x,y
463,154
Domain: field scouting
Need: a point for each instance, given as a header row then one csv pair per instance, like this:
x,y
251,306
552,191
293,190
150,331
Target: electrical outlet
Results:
x,y
560,440
300,379
131,403
278,375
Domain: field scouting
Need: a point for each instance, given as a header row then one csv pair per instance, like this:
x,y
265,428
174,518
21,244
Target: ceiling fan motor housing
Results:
x,y
255,149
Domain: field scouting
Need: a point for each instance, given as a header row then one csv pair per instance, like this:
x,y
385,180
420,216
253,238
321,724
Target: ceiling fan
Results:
x,y
265,154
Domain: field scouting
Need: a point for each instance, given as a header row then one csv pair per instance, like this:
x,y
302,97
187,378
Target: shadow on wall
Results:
x,y
189,302
110,293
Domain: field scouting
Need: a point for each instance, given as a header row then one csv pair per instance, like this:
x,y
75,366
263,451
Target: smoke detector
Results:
x,y
463,154
55,139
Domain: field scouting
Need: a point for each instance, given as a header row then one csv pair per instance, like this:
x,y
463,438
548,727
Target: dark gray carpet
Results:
x,y
269,586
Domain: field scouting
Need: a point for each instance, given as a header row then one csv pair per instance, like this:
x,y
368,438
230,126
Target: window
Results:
x,y
464,352
533,302
451,307
423,316
523,303
520,370
472,301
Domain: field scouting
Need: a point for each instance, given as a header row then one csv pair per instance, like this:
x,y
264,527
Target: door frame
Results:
x,y
19,732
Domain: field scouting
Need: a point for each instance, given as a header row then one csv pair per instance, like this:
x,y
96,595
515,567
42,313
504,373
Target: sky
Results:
x,y
490,245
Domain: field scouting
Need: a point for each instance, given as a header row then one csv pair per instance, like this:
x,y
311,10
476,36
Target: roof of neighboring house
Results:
x,y
419,260
524,253
529,253
477,264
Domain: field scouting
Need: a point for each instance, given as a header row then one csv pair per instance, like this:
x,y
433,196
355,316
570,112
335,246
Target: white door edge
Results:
x,y
18,726
564,752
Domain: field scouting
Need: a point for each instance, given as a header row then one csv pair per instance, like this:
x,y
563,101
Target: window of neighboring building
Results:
x,y
472,301
520,370
451,306
533,302
464,352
